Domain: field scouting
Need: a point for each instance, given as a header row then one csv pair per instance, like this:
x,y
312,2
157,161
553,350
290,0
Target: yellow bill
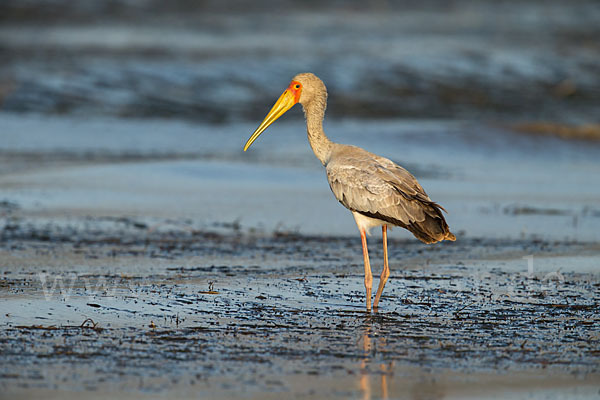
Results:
x,y
286,101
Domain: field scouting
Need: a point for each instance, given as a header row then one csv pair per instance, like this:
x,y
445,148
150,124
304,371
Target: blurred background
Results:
x,y
219,62
481,98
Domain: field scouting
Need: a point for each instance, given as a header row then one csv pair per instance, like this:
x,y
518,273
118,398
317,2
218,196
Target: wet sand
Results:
x,y
147,265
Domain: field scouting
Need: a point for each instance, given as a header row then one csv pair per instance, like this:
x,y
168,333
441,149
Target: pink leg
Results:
x,y
386,269
368,275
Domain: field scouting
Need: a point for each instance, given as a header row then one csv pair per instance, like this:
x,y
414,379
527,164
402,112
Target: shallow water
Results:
x,y
493,182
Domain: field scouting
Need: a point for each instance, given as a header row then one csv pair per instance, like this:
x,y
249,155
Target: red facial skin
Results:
x,y
295,88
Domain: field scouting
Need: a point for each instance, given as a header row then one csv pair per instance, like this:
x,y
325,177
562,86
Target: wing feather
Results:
x,y
367,183
377,187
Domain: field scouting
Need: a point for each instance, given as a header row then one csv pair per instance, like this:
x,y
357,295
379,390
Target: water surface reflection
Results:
x,y
373,371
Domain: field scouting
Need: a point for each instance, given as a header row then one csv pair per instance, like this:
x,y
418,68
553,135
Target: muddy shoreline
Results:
x,y
114,302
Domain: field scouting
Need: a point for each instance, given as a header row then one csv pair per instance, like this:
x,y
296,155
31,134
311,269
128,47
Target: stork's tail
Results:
x,y
450,236
434,228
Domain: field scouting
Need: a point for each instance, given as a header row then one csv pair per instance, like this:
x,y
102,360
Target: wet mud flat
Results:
x,y
130,307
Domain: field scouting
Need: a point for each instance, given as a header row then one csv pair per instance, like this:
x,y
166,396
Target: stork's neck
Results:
x,y
320,143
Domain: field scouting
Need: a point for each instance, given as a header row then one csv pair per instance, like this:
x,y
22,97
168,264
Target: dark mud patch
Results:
x,y
101,237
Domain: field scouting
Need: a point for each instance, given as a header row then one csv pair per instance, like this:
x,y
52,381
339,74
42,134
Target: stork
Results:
x,y
377,191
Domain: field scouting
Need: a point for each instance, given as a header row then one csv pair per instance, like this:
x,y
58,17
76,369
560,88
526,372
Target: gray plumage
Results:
x,y
380,189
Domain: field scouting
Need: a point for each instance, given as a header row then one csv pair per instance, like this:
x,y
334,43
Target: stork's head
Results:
x,y
305,89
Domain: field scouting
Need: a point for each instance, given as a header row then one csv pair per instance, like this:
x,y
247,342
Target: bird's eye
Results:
x,y
297,86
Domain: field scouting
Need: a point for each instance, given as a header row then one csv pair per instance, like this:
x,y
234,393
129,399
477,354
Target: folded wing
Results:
x,y
378,188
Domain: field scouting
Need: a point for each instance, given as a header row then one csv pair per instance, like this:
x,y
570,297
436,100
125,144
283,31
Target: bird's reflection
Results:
x,y
376,379
370,369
